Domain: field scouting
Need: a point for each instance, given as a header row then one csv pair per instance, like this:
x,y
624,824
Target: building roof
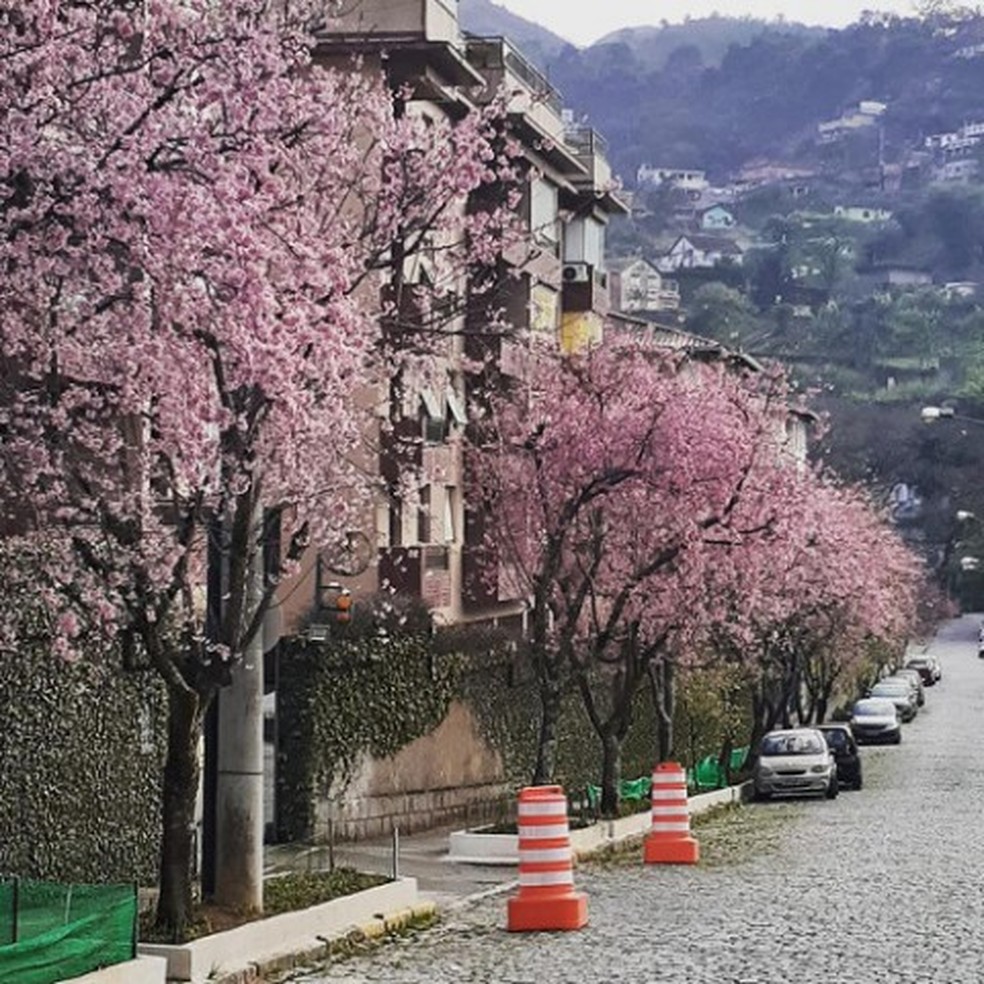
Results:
x,y
710,244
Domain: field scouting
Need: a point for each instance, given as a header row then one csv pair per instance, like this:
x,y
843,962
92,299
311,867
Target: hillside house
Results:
x,y
716,217
635,285
689,179
862,213
697,252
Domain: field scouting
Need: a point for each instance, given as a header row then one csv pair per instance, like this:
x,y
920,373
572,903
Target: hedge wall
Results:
x,y
81,754
339,699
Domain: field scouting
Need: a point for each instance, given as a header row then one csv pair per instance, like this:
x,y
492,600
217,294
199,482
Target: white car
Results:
x,y
875,719
795,761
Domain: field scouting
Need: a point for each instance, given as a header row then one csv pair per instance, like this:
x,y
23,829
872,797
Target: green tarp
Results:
x,y
52,932
708,774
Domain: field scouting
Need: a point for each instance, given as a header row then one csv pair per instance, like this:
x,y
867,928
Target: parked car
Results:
x,y
916,680
795,761
874,720
900,692
928,667
840,740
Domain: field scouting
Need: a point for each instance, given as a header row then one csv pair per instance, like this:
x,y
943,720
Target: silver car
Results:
x,y
875,720
795,761
900,693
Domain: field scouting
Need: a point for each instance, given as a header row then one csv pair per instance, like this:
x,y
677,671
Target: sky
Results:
x,y
583,22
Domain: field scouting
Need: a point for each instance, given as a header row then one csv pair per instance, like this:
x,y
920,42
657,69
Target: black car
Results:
x,y
840,740
927,667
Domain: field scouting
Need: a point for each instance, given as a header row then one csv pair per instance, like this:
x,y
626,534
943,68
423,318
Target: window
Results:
x,y
434,423
424,514
450,508
543,215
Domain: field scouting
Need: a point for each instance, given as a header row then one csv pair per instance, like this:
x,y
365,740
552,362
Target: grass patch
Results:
x,y
728,834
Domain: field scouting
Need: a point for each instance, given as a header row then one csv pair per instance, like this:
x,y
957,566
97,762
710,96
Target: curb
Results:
x,y
260,971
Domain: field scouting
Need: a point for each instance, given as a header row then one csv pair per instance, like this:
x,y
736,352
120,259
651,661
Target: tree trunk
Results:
x,y
181,773
663,687
724,758
611,774
546,750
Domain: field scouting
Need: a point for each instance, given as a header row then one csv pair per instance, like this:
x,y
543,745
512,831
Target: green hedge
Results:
x,y
81,754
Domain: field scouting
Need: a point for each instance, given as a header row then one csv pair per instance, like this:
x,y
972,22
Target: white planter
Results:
x,y
265,940
473,847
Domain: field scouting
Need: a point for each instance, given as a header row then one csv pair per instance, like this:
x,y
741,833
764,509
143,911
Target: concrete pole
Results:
x,y
239,786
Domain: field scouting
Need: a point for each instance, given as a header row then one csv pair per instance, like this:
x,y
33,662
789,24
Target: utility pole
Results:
x,y
239,778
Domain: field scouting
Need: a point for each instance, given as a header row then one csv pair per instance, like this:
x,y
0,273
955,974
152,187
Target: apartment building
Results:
x,y
423,540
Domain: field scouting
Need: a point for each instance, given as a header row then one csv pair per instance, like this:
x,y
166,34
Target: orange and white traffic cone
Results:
x,y
669,840
546,899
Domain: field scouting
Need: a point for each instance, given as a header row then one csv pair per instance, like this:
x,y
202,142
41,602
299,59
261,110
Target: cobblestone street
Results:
x,y
880,885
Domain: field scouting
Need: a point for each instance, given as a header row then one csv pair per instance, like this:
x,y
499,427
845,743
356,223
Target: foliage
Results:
x,y
299,890
197,219
81,756
345,699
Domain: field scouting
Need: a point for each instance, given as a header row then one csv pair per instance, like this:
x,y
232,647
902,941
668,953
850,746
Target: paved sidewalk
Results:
x,y
420,855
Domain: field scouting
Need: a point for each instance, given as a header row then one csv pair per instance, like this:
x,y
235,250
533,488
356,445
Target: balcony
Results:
x,y
418,572
535,104
591,151
421,40
406,20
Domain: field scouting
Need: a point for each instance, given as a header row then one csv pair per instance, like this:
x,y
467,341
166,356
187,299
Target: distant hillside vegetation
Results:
x,y
716,92
710,36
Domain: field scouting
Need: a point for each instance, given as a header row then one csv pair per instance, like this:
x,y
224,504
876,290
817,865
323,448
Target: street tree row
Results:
x,y
656,513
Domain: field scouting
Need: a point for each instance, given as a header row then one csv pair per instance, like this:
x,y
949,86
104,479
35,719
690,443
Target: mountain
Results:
x,y
483,17
715,93
710,36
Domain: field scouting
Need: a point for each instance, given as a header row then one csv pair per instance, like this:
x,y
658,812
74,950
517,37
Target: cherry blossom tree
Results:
x,y
834,585
649,508
196,218
606,485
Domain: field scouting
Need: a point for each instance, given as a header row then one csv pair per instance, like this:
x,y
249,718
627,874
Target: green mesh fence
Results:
x,y
627,789
708,774
8,911
53,932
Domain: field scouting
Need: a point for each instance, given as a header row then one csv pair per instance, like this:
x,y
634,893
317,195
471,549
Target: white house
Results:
x,y
862,213
689,179
692,252
634,284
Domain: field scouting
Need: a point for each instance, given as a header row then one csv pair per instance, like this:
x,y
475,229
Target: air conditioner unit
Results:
x,y
576,273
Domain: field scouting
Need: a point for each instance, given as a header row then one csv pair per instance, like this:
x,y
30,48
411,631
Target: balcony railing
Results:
x,y
498,53
585,141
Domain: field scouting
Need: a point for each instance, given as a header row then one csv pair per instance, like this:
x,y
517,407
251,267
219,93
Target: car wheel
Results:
x,y
833,789
857,780
762,796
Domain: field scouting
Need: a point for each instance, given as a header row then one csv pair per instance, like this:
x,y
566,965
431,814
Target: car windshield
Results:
x,y
890,688
873,708
835,737
792,744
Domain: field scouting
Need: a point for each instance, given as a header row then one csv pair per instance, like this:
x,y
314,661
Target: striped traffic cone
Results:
x,y
669,840
546,897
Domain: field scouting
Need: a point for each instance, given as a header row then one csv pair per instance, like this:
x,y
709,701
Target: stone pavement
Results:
x,y
419,855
